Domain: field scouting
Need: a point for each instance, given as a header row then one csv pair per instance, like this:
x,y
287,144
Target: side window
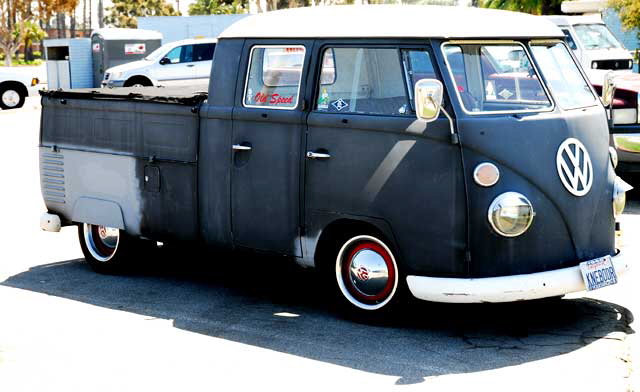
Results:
x,y
273,78
417,65
174,55
203,52
365,80
186,56
569,39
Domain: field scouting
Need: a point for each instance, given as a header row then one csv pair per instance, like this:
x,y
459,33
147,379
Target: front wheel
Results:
x,y
11,98
106,249
367,276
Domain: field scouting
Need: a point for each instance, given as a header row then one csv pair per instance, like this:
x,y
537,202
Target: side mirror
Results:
x,y
428,99
165,61
608,89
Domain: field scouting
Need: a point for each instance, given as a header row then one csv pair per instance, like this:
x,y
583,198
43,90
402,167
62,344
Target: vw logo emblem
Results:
x,y
574,167
363,274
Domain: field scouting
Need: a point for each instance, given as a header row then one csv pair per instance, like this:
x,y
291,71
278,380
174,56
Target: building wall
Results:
x,y
174,28
628,38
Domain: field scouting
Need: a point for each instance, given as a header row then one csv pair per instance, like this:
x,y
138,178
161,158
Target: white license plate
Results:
x,y
598,273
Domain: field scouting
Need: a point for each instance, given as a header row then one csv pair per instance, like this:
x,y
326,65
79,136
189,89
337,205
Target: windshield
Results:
x,y
156,54
495,78
596,36
563,76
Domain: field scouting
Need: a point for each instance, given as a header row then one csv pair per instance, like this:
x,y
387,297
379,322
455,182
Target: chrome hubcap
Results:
x,y
102,242
10,98
368,271
137,85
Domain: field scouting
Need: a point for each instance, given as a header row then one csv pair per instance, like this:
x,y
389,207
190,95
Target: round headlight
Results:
x,y
511,214
620,189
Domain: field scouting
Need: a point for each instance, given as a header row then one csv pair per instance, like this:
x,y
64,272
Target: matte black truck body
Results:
x,y
174,165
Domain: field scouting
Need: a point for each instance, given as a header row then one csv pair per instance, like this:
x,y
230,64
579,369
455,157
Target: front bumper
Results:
x,y
507,288
34,90
113,83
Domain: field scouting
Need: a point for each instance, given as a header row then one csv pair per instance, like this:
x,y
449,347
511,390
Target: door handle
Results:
x,y
190,65
318,155
241,147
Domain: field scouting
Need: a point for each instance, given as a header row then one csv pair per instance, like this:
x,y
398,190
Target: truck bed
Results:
x,y
124,158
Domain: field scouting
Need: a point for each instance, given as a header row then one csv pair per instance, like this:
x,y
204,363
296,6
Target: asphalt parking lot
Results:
x,y
217,321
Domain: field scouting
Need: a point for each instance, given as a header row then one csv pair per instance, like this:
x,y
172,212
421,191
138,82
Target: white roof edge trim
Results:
x,y
392,21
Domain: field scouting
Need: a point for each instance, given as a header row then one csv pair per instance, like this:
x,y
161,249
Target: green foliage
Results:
x,y
536,7
216,7
33,32
629,11
124,13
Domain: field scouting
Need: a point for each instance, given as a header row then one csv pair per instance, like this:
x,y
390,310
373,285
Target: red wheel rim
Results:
x,y
346,273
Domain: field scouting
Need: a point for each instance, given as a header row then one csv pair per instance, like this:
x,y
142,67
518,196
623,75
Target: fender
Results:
x,y
98,212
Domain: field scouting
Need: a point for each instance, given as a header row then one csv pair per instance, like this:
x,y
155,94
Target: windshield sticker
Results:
x,y
272,99
339,104
506,94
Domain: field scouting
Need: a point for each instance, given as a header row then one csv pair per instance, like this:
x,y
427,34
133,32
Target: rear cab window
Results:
x,y
274,76
369,80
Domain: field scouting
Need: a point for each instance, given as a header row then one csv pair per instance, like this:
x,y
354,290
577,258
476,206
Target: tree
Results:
x,y
629,11
33,33
536,7
124,13
12,27
216,7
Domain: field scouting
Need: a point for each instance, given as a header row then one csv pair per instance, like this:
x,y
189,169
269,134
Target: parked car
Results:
x,y
176,63
601,54
18,83
403,160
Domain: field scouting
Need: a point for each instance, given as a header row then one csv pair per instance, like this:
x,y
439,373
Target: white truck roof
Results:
x,y
383,21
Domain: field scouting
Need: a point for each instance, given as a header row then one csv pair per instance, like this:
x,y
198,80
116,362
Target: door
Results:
x,y
179,69
370,157
267,134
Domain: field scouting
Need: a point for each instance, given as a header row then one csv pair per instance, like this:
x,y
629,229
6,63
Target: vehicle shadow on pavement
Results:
x,y
273,304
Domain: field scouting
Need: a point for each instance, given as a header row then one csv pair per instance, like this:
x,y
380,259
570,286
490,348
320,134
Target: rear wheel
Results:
x,y
366,276
106,249
11,97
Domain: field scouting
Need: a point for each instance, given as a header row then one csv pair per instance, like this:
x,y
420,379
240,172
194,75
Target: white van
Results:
x,y
174,64
597,49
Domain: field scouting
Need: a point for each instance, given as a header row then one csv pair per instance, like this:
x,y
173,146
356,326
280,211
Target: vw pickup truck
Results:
x,y
400,157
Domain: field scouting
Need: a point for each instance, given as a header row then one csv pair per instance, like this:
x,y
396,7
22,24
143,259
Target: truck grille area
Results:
x,y
612,64
52,179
